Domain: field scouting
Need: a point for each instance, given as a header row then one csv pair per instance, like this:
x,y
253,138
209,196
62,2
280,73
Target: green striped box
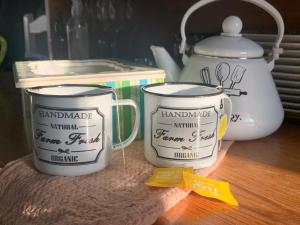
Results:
x,y
130,89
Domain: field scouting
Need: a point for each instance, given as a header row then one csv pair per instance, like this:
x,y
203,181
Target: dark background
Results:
x,y
11,26
154,22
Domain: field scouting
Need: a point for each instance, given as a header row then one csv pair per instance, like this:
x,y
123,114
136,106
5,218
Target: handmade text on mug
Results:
x,y
184,133
68,136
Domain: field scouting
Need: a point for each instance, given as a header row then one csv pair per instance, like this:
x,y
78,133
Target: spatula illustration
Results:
x,y
237,75
222,72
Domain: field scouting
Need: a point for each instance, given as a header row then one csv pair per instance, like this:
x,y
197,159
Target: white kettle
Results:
x,y
237,64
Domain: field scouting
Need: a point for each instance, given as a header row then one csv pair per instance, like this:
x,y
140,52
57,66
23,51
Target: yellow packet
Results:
x,y
222,127
167,177
209,188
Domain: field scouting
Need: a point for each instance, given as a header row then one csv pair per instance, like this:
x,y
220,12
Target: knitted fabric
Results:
x,y
113,196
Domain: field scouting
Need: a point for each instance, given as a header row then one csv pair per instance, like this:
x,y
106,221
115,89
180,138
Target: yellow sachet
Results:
x,y
168,177
222,127
209,188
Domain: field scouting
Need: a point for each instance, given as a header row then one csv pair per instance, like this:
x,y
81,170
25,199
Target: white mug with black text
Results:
x,y
183,123
72,128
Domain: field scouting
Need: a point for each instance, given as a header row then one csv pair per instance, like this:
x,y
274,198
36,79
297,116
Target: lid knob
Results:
x,y
232,26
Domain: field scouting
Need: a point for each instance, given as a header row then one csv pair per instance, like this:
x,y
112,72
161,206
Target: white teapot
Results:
x,y
237,64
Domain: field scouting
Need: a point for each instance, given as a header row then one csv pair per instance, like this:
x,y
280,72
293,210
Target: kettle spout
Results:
x,y
164,61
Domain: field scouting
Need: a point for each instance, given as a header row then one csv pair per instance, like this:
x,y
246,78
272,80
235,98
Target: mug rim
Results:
x,y
108,90
219,88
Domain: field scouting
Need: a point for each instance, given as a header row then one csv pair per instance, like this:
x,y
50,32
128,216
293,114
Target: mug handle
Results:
x,y
135,129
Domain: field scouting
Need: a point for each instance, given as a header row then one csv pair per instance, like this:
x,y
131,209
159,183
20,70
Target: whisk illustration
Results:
x,y
205,75
237,75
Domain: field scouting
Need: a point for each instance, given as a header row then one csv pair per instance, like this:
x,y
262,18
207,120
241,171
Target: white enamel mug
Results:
x,y
72,128
182,122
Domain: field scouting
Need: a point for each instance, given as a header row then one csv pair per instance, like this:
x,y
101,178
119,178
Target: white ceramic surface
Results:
x,y
181,124
72,128
256,107
236,63
230,43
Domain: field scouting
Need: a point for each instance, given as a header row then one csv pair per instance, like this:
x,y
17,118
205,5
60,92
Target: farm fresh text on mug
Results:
x,y
184,123
66,128
179,138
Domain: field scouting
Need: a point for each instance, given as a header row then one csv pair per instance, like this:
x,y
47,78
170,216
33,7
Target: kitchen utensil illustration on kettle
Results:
x,y
205,75
248,80
236,77
222,72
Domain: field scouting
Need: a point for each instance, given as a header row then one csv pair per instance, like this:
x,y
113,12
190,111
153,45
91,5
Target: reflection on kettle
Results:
x,y
237,64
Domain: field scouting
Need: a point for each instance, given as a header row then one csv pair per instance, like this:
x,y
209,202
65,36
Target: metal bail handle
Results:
x,y
276,51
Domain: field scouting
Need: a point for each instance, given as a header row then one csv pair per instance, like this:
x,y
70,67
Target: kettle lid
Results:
x,y
230,43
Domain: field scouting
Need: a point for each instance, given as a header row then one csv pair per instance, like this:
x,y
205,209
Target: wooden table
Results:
x,y
265,179
264,174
